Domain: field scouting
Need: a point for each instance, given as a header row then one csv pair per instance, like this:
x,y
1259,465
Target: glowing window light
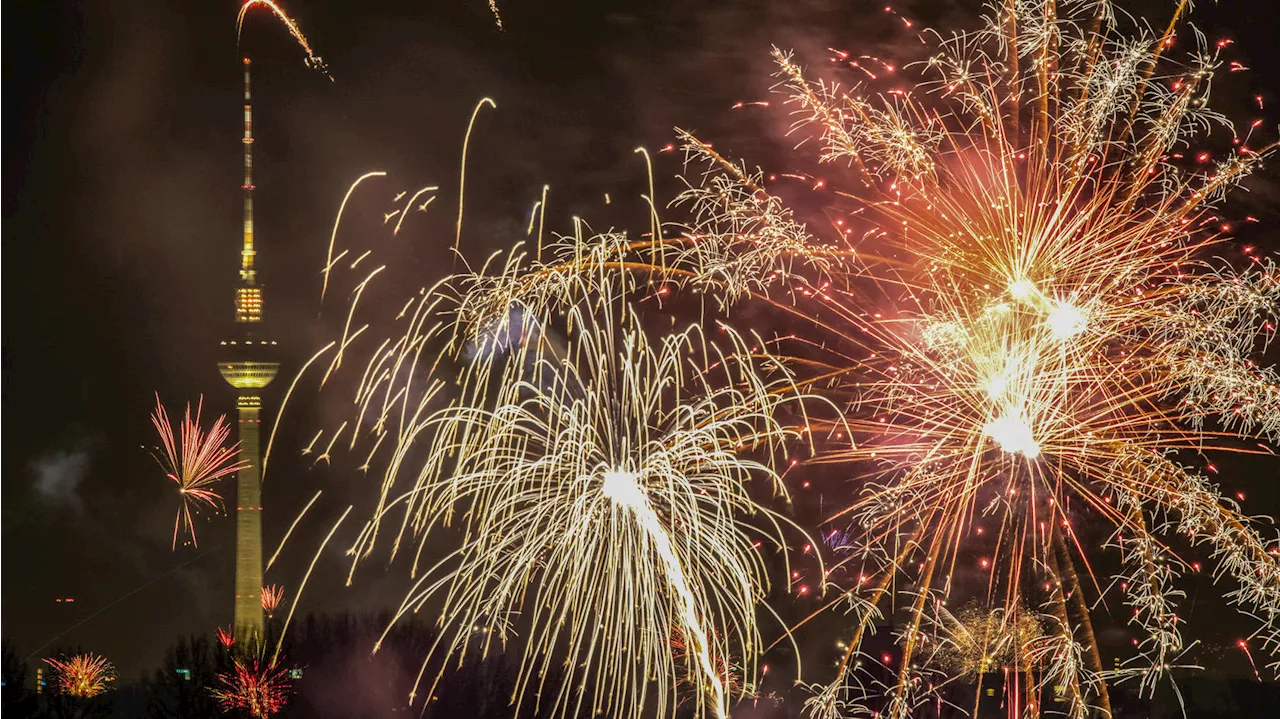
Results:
x,y
248,304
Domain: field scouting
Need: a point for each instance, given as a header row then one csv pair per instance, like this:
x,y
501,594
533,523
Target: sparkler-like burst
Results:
x,y
259,689
83,675
602,492
195,460
599,479
1019,316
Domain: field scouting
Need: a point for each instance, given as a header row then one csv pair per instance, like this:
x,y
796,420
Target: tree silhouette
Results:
x,y
17,697
181,686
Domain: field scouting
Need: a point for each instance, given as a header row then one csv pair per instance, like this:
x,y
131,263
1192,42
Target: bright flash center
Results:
x,y
1066,320
1012,433
623,489
996,386
1022,290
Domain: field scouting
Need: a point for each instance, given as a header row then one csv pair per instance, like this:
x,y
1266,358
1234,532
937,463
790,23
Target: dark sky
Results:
x,y
122,210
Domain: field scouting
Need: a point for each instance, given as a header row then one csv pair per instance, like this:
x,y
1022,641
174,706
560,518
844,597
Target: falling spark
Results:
x,y
462,172
1244,647
329,259
497,18
623,488
283,540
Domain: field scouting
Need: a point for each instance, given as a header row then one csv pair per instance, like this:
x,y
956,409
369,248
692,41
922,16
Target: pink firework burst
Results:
x,y
195,460
272,595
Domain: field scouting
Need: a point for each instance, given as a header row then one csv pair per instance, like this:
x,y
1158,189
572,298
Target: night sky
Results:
x,y
122,217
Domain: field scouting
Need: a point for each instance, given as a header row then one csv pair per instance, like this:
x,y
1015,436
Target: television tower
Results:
x,y
248,365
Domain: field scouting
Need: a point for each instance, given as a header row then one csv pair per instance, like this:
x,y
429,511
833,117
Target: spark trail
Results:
x,y
314,61
622,488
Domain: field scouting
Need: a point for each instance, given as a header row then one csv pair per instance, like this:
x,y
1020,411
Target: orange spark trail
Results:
x,y
313,61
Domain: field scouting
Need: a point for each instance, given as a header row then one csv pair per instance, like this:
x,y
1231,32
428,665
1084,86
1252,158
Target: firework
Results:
x,y
1018,315
1015,312
727,671
261,690
195,460
225,637
600,478
313,61
82,675
978,641
624,521
271,597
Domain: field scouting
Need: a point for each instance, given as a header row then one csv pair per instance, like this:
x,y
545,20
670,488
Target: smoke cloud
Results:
x,y
59,473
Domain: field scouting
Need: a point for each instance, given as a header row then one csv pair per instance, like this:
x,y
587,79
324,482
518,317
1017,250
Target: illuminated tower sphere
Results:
x,y
247,363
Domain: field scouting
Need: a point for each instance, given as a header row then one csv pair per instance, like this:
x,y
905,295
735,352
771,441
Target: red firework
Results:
x,y
226,637
271,598
195,460
260,690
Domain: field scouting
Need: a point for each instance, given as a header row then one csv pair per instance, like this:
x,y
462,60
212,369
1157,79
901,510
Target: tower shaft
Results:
x,y
248,609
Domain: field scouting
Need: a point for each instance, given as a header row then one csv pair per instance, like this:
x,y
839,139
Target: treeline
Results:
x,y
339,677
335,674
